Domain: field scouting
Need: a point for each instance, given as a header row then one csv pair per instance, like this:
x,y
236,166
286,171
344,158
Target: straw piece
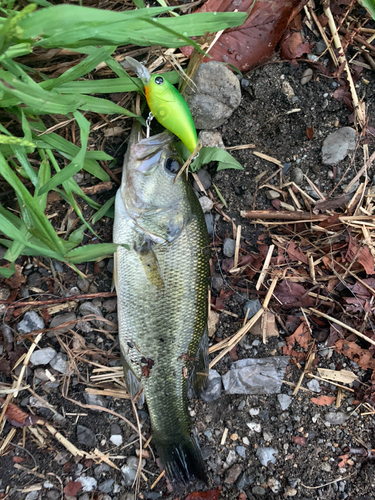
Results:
x,y
265,267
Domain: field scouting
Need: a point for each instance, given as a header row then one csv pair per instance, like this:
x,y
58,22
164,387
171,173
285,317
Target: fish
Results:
x,y
161,275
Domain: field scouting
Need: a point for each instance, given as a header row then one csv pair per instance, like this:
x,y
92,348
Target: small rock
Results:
x,y
101,469
58,266
290,492
40,374
231,458
59,362
338,144
284,401
211,139
214,97
254,412
306,76
254,426
86,436
267,436
320,47
245,441
31,322
287,89
53,495
60,319
33,495
110,305
274,484
88,483
272,195
106,486
34,279
258,490
336,418
116,439
90,308
152,495
326,467
204,178
95,400
43,356
232,474
229,247
253,306
213,388
314,385
266,455
206,204
241,451
217,283
129,471
296,176
110,265
244,480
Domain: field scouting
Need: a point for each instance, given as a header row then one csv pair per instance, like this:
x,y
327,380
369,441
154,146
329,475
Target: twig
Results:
x,y
265,267
41,303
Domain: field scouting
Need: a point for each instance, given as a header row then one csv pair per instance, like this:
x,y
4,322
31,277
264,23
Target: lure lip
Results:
x,y
141,70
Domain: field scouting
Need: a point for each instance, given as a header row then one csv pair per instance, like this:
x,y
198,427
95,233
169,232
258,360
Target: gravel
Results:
x,y
42,356
30,323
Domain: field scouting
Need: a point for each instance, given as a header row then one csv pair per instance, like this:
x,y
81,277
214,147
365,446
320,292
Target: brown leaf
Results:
x,y
292,295
254,41
19,418
17,279
288,351
204,495
299,440
18,460
351,350
323,400
292,47
344,95
301,336
309,133
296,254
72,488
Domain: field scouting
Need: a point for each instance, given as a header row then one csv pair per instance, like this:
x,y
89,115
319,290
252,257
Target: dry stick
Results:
x,y
157,480
324,36
294,217
237,249
60,300
268,158
360,173
358,110
330,381
309,362
265,267
340,323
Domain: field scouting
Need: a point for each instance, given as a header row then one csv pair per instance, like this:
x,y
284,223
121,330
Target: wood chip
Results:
x,y
343,376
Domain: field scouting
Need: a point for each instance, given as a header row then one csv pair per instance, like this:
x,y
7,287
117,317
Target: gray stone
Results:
x,y
33,495
34,279
284,401
59,362
106,486
244,480
88,308
205,179
266,455
213,388
40,374
63,318
31,322
110,265
86,436
314,385
256,376
231,458
232,474
58,266
211,139
43,356
129,471
95,400
253,306
296,176
101,469
88,483
241,451
258,490
206,204
336,418
110,305
217,283
338,144
53,495
229,247
274,484
215,95
272,195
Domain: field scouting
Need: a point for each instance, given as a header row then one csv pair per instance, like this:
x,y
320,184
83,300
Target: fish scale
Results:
x,y
162,302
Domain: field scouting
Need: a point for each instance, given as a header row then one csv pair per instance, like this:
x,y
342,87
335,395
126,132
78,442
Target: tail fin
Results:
x,y
182,459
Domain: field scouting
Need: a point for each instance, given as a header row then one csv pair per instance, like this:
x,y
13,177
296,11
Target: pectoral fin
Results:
x,y
150,264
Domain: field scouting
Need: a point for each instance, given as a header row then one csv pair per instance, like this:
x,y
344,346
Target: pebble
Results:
x,y
314,385
214,97
231,458
110,305
296,176
258,490
206,204
34,279
129,471
254,411
94,399
266,455
217,283
306,76
60,319
284,401
290,492
33,495
241,451
246,441
253,306
325,467
90,308
272,195
54,495
152,495
101,469
116,439
274,484
232,474
244,480
229,247
40,374
43,356
211,139
86,436
106,486
205,178
59,362
338,144
336,418
213,388
88,483
31,322
58,266
267,436
254,426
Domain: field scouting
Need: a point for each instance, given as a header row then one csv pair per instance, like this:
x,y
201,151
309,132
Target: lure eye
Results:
x,y
159,80
172,165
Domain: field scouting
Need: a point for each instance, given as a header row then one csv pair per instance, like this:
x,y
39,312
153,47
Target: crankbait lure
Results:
x,y
167,105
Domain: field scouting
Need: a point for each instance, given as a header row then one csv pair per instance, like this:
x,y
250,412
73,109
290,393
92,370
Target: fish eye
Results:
x,y
159,80
172,165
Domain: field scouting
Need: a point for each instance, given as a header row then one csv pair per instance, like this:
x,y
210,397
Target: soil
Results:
x,y
304,468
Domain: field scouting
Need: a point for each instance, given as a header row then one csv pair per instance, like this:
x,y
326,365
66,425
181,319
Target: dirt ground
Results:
x,y
305,468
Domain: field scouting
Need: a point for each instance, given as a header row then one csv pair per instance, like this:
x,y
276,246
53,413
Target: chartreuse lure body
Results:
x,y
171,110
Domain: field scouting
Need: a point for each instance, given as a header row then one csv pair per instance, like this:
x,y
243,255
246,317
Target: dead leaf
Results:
x,y
343,376
301,336
270,326
18,460
17,279
351,350
254,41
344,459
298,356
292,295
323,400
204,495
344,95
19,418
296,254
292,46
72,488
309,133
299,440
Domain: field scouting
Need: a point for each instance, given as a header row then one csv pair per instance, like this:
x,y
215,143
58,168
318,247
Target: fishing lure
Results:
x,y
167,105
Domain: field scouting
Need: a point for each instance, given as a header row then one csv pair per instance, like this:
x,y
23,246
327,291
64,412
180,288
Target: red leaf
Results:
x,y
254,41
292,295
72,488
288,351
362,357
204,495
18,460
323,400
296,254
310,132
299,440
301,336
292,46
17,417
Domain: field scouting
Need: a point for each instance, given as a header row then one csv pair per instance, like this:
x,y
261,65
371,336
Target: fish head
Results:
x,y
153,197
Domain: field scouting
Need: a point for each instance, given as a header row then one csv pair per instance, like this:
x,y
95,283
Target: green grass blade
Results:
x,y
7,272
370,6
102,212
98,105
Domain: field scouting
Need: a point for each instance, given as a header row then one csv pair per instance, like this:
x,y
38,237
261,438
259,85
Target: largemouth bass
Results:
x,y
162,284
